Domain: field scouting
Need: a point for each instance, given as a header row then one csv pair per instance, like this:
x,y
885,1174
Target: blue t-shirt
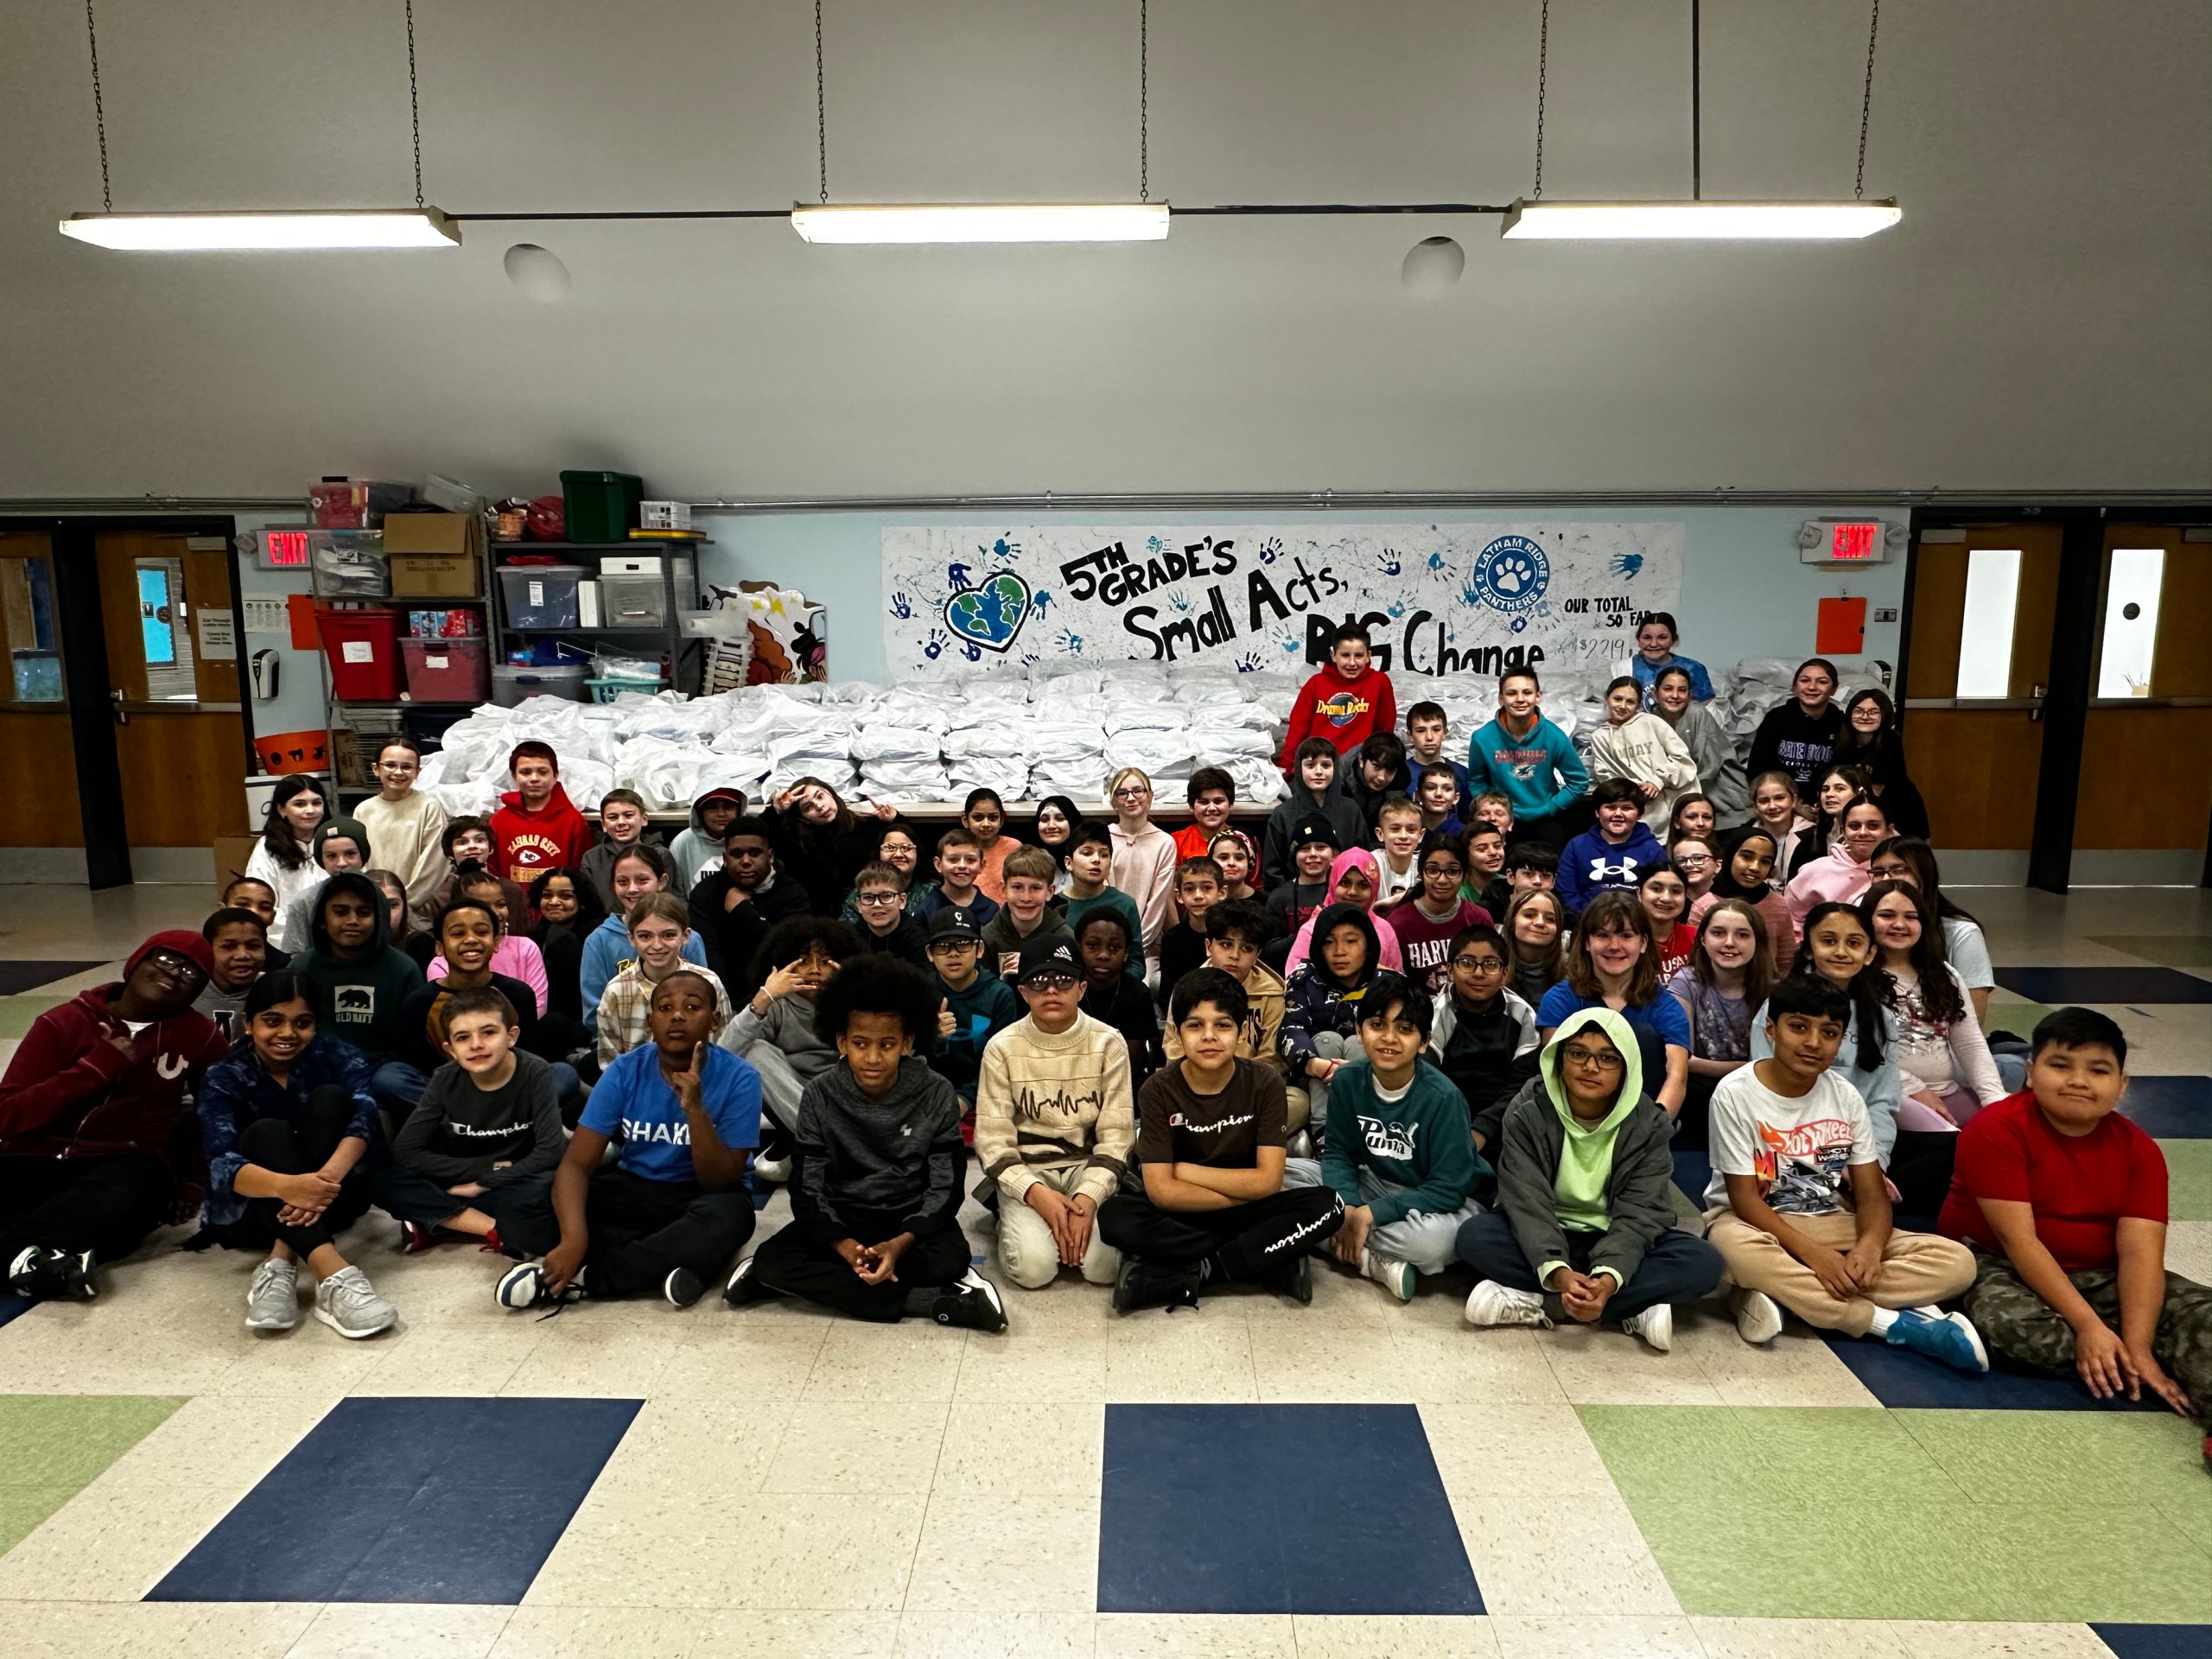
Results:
x,y
633,1103
1658,1025
1647,676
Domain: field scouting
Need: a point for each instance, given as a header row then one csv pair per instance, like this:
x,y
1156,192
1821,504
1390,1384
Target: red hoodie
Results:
x,y
1346,712
70,1093
525,841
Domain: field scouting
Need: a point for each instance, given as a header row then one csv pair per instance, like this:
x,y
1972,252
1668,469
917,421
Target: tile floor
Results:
x,y
1356,1480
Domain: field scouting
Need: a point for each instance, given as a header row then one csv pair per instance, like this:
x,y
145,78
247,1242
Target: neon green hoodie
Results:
x,y
1586,1162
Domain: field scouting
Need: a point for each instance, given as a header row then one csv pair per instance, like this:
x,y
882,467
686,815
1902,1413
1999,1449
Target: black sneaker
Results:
x,y
46,1275
973,1302
682,1287
745,1287
1296,1280
1140,1285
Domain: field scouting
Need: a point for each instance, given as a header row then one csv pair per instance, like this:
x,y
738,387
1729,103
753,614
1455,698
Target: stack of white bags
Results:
x,y
1060,729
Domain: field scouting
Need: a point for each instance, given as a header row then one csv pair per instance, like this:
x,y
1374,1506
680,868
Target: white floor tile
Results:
x,y
1371,1636
1047,1562
1595,1638
600,1633
1196,1636
151,1629
787,1634
933,1635
1060,1447
1532,1559
837,1446
399,1630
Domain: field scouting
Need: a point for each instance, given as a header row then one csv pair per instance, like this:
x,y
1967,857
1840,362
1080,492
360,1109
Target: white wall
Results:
x,y
2037,320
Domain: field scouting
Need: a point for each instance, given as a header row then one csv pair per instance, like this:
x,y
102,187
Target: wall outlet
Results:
x,y
1887,613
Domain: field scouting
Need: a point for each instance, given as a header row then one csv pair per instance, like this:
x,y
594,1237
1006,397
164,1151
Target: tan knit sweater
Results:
x,y
1046,1102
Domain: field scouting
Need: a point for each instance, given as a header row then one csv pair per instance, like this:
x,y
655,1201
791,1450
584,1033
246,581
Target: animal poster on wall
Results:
x,y
1437,598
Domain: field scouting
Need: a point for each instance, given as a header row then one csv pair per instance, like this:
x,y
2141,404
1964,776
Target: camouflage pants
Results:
x,y
2018,1323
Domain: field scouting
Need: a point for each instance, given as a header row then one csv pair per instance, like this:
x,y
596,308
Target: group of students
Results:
x,y
1429,1017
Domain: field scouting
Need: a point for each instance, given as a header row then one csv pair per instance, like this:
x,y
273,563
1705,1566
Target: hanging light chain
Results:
x,y
820,114
99,109
414,104
1866,101
1144,100
1543,60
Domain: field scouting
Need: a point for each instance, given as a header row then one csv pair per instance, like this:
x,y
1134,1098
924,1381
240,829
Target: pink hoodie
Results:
x,y
1835,876
1394,959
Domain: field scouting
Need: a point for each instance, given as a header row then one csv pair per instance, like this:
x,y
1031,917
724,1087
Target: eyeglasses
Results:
x,y
1131,792
891,898
1599,1059
1693,860
1479,964
1049,982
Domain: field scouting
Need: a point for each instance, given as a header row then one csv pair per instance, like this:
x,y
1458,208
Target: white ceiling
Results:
x,y
2042,318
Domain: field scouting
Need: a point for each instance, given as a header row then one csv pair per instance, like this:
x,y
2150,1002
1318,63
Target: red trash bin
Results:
x,y
363,647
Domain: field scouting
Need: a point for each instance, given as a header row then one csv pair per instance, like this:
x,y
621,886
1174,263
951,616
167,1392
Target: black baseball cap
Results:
x,y
955,924
1048,955
1310,830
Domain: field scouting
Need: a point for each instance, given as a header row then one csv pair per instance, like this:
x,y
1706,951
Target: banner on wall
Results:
x,y
1437,598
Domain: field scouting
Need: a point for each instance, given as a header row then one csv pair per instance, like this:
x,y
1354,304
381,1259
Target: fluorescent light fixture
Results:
x,y
1698,221
407,227
1102,221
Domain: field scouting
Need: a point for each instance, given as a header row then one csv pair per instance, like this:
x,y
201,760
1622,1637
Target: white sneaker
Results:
x,y
272,1301
1491,1303
1394,1276
775,1170
1653,1328
1757,1318
349,1305
1298,1145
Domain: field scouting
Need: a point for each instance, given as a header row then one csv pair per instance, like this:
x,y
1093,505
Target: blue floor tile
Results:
x,y
1217,1510
16,977
2171,1109
2157,1641
1902,1380
2053,986
1692,1171
13,1307
389,1500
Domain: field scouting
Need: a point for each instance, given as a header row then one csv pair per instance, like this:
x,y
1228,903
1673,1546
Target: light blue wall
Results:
x,y
1745,593
297,705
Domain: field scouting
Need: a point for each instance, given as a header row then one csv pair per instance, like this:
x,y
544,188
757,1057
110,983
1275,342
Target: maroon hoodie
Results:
x,y
525,841
70,1093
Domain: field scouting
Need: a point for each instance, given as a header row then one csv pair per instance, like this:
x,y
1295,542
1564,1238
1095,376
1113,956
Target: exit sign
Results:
x,y
282,549
1843,541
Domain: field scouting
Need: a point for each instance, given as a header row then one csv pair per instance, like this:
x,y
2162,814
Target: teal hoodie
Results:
x,y
1418,1143
1522,768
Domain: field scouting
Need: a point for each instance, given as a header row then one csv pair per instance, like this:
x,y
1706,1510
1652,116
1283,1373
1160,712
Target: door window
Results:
x,y
164,631
2132,585
1985,623
27,629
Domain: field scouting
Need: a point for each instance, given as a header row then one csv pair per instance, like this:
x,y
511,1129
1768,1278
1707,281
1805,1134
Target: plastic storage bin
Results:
x,y
350,564
634,601
608,689
511,685
448,670
363,647
602,506
354,502
540,595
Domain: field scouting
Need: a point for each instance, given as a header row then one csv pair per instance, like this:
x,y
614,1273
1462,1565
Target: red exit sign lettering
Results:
x,y
286,549
1855,541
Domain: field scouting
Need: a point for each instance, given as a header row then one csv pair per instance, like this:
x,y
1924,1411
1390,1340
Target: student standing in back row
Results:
x,y
406,824
1529,760
1799,737
1347,702
537,826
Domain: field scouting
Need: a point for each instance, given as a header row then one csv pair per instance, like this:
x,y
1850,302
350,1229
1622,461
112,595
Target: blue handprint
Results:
x,y
1387,562
1040,601
1470,594
1180,601
1005,548
1249,663
1439,566
959,576
1029,657
1270,549
902,607
938,641
972,652
1069,641
1154,544
1397,607
1625,565
1292,647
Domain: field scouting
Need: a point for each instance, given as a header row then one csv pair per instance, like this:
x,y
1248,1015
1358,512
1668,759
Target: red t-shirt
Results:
x,y
1675,950
1427,942
2079,1186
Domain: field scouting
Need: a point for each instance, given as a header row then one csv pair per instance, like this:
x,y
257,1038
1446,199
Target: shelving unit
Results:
x,y
349,721
681,655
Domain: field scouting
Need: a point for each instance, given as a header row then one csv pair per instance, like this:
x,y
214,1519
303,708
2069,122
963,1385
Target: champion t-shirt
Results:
x,y
1177,1125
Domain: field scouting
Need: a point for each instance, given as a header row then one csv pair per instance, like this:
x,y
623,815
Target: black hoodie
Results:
x,y
1315,1000
362,1001
1789,740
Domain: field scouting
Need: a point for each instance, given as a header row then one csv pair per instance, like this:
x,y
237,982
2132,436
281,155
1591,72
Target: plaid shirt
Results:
x,y
626,1005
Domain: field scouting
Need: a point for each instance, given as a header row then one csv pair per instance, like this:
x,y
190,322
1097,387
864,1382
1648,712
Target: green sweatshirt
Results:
x,y
1418,1142
1586,1163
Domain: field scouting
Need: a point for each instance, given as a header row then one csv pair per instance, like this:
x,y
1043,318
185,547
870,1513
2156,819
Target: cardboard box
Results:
x,y
435,555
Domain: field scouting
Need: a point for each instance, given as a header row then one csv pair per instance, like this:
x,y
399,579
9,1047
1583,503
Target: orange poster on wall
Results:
x,y
1841,629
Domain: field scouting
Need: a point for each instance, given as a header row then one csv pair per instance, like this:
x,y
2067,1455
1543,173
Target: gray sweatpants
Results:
x,y
1428,1241
781,1085
1329,1045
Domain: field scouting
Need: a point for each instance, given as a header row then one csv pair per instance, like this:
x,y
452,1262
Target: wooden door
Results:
x,y
1974,689
2144,786
38,764
165,601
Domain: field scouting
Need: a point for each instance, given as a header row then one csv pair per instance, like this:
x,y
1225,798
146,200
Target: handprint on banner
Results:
x,y
1040,601
1069,641
1249,663
1387,562
1397,607
1180,601
957,576
1270,549
902,607
1440,566
1626,565
972,652
1006,548
935,642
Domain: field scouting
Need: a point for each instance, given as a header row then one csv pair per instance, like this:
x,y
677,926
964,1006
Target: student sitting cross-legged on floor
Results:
x,y
874,1232
294,1148
2063,1204
671,1210
1210,1207
1055,1123
1585,1224
775,1031
1397,1151
1798,1208
485,1136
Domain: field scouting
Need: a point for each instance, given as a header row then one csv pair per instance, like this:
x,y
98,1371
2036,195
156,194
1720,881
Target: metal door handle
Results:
x,y
121,714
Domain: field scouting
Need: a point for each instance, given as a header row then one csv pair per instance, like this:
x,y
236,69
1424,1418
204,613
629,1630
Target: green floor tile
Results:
x,y
64,1441
2188,1174
18,1012
1843,1513
2014,1013
24,1509
2173,949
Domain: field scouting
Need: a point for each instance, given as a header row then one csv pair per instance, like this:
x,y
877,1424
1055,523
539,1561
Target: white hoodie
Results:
x,y
1646,749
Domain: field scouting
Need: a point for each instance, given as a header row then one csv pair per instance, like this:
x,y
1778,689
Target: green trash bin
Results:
x,y
602,506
